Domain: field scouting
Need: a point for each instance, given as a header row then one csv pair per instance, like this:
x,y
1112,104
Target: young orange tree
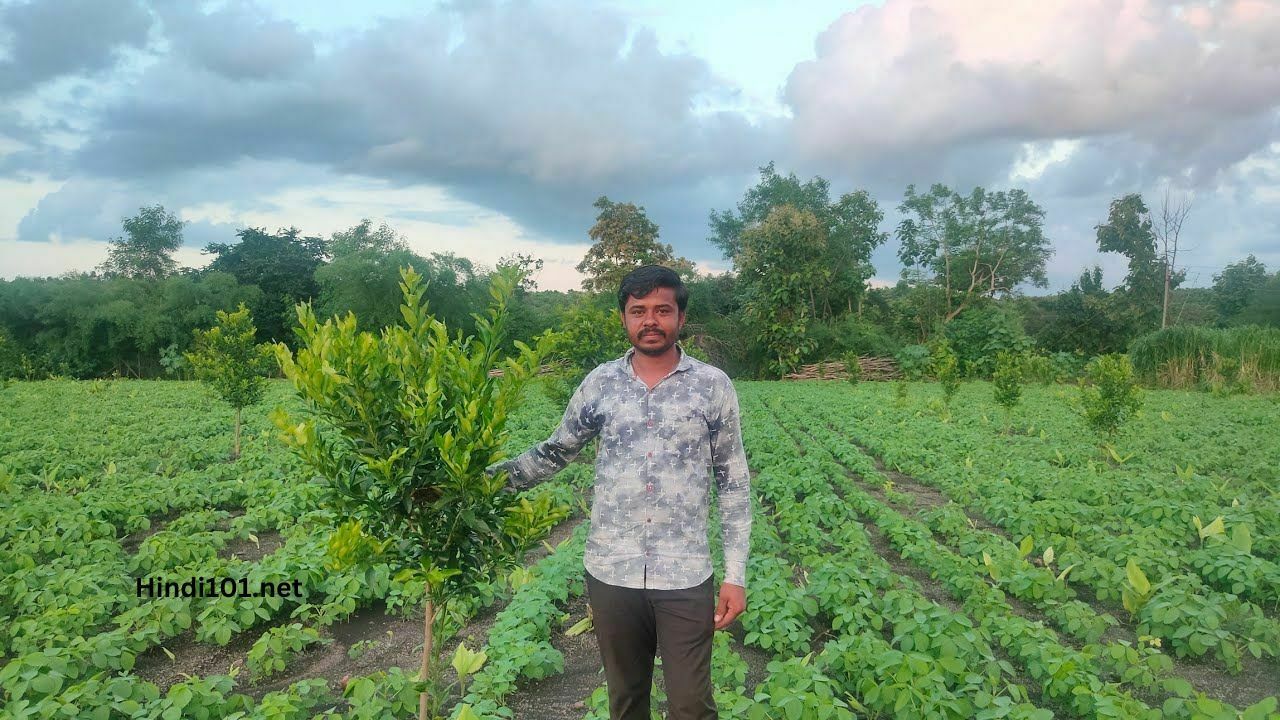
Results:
x,y
401,425
227,360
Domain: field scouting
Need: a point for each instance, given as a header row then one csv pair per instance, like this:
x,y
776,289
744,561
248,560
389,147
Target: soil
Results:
x,y
247,550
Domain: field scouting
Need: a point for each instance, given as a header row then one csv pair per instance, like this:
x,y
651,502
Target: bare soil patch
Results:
x,y
249,551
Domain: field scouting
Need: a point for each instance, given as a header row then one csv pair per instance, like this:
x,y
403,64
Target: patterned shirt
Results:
x,y
649,515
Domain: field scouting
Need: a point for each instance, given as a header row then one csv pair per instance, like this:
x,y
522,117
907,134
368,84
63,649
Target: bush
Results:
x,y
848,334
589,333
852,367
1111,396
979,334
228,361
1007,379
913,361
946,368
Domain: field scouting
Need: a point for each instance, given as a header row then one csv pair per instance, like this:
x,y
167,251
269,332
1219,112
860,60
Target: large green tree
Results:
x,y
779,261
980,245
1129,232
282,265
146,250
364,276
1235,286
624,238
1083,318
1263,307
851,224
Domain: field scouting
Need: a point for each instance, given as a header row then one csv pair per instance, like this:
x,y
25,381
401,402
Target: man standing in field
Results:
x,y
663,418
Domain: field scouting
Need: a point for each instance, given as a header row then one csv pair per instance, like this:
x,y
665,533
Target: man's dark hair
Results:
x,y
644,279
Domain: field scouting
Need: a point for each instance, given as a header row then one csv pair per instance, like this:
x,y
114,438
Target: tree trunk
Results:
x,y
1164,310
426,650
235,455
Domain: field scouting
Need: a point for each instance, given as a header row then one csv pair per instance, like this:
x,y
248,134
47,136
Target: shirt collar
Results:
x,y
684,363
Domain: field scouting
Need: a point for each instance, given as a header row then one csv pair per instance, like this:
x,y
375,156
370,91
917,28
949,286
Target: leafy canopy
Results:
x,y
401,425
228,359
624,239
147,247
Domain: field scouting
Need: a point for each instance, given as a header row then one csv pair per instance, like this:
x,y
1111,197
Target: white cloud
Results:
x,y
1198,88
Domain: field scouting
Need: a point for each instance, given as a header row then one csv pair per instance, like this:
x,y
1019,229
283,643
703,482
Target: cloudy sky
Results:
x,y
485,128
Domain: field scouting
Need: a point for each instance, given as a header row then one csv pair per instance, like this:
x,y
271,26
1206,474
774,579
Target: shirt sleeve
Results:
x,y
580,423
733,485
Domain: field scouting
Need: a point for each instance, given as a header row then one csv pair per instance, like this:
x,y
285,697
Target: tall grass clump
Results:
x,y
1235,359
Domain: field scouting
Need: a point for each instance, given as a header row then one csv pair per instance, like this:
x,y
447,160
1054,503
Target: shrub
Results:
x,y
946,368
1007,381
913,361
227,360
402,424
1111,396
979,334
849,334
852,367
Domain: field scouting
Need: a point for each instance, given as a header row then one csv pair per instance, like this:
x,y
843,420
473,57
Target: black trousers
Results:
x,y
631,624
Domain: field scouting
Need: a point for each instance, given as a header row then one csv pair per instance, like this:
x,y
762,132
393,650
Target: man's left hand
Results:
x,y
733,600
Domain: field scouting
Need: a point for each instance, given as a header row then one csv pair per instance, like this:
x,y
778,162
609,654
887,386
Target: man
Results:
x,y
662,418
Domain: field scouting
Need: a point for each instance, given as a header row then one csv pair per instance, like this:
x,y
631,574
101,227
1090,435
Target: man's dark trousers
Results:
x,y
631,624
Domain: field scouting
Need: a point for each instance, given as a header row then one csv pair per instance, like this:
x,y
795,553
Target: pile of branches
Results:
x,y
873,368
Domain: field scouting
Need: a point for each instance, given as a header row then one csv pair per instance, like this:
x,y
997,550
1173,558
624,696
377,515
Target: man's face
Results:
x,y
653,322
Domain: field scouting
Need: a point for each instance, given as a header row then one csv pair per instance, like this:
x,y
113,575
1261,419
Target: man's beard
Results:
x,y
655,350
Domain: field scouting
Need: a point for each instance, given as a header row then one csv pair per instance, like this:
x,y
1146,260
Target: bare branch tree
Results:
x,y
1168,228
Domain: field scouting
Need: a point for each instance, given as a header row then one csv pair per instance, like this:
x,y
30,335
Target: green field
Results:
x,y
907,561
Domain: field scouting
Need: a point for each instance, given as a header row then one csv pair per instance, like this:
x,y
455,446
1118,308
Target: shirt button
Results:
x,y
648,454
649,487
648,520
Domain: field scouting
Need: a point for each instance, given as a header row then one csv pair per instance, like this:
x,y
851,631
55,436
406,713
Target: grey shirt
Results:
x,y
649,514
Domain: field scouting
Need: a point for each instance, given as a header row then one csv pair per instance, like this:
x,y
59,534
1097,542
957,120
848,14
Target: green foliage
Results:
x,y
913,361
848,333
1235,358
1006,381
272,652
402,424
1128,231
146,251
1264,305
980,334
1235,286
945,366
624,238
850,224
779,264
976,246
227,360
589,332
1109,396
852,367
282,266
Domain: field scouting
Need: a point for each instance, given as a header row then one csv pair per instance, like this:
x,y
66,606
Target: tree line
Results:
x,y
797,292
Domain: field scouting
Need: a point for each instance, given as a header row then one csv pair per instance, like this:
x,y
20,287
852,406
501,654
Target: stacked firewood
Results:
x,y
873,368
